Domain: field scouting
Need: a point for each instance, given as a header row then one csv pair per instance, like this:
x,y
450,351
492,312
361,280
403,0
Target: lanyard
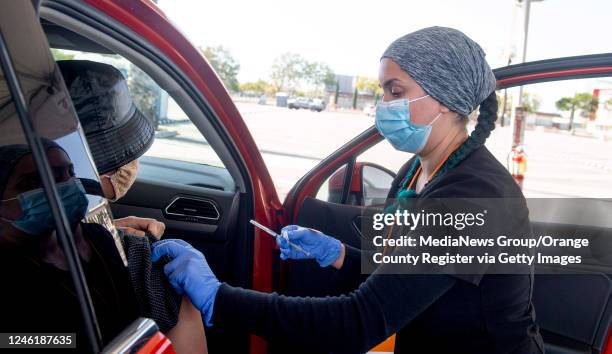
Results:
x,y
413,181
419,169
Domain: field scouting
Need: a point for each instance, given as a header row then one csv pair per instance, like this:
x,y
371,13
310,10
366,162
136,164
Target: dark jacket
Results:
x,y
483,313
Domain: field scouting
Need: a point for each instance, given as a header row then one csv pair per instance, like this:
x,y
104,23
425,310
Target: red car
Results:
x,y
210,206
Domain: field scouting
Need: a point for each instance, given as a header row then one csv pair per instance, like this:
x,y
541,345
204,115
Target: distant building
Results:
x,y
601,125
543,119
603,112
345,85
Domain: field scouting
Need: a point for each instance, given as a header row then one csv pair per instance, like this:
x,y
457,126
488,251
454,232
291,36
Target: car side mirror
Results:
x,y
375,183
369,185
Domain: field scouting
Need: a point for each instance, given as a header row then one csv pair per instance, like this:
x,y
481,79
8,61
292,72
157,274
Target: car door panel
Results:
x,y
569,324
158,186
573,302
161,185
340,221
222,240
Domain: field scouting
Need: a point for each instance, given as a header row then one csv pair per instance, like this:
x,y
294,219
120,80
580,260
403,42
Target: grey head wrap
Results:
x,y
447,64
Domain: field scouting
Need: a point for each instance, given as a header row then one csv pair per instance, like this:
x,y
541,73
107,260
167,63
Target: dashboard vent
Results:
x,y
192,207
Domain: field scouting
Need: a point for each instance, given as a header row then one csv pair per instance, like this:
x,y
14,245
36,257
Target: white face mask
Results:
x,y
122,179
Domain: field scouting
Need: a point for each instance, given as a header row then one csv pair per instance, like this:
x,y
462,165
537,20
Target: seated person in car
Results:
x,y
34,267
38,294
117,132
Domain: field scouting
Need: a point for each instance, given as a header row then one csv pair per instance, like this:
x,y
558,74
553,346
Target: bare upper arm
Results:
x,y
188,335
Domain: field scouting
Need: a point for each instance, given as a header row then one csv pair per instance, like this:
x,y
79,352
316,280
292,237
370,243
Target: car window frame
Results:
x,y
62,225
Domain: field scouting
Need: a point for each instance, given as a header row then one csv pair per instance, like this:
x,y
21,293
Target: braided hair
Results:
x,y
485,124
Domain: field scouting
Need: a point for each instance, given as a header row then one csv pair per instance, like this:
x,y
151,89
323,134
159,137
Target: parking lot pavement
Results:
x,y
294,141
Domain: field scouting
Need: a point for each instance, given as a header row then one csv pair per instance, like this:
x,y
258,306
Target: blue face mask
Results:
x,y
36,217
393,122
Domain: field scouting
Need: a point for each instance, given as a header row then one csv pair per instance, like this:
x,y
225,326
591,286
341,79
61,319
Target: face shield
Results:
x,y
55,122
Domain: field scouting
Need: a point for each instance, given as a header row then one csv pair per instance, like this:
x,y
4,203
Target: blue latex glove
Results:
x,y
323,248
189,273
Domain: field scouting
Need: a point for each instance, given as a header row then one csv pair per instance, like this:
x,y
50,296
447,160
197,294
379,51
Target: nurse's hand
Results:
x,y
324,249
189,273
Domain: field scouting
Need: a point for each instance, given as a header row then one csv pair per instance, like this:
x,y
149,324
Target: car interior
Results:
x,y
208,206
199,203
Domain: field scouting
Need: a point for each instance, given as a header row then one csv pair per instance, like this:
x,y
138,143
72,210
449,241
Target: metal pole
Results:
x,y
517,157
504,108
527,4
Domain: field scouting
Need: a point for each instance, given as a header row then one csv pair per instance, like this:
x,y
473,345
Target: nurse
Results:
x,y
432,80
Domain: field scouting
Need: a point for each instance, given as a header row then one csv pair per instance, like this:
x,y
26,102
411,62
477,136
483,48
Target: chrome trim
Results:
x,y
211,202
133,337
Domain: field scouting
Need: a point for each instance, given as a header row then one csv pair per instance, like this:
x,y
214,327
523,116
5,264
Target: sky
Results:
x,y
350,36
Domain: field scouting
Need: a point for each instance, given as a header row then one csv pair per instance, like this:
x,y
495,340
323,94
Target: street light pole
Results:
x,y
527,4
517,159
505,105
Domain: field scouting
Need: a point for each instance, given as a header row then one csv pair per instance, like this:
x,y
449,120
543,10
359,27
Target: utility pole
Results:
x,y
527,5
517,158
505,105
526,11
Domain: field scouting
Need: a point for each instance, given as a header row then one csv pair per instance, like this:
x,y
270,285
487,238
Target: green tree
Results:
x,y
291,71
318,74
504,107
531,103
368,85
608,104
259,86
337,92
583,102
287,71
226,66
145,93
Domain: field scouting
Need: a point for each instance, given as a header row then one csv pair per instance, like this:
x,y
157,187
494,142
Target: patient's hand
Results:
x,y
133,225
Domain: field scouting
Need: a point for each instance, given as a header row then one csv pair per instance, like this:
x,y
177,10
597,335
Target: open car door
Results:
x,y
204,176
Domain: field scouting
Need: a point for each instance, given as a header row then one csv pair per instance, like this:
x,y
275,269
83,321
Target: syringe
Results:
x,y
275,235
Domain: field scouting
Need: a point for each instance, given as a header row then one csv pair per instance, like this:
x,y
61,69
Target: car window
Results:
x,y
36,114
294,140
561,161
176,137
53,118
331,189
267,79
567,140
369,185
375,184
